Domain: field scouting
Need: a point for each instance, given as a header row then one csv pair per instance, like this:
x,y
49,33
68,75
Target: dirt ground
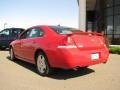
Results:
x,y
22,76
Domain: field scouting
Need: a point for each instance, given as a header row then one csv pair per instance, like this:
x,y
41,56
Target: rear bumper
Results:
x,y
68,58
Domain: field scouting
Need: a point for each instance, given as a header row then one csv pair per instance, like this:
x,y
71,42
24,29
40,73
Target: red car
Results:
x,y
59,47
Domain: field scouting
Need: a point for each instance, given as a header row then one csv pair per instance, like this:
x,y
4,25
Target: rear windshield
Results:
x,y
64,30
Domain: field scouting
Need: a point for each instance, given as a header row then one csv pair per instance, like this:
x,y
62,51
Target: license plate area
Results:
x,y
95,56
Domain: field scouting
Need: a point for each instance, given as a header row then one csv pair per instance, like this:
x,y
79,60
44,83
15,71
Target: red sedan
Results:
x,y
59,47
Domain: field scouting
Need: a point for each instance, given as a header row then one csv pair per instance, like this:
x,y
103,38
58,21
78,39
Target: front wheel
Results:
x,y
2,48
12,56
42,64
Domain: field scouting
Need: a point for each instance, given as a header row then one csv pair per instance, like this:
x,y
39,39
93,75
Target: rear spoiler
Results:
x,y
89,33
86,33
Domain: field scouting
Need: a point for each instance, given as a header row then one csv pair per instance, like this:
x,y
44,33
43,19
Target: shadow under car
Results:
x,y
58,74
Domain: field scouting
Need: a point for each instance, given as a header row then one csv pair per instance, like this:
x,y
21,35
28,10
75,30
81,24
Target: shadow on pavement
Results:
x,y
24,64
67,74
58,74
7,49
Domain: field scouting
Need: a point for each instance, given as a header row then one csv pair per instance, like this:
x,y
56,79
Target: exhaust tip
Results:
x,y
76,68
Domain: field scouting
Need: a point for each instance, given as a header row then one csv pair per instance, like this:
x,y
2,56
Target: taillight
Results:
x,y
70,41
67,43
105,41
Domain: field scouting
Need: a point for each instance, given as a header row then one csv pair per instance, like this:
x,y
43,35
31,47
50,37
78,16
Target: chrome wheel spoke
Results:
x,y
41,64
11,54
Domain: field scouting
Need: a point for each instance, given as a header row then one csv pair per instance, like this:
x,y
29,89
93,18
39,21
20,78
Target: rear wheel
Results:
x,y
12,56
42,64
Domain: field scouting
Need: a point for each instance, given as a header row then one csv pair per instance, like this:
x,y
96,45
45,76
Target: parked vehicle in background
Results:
x,y
59,47
8,35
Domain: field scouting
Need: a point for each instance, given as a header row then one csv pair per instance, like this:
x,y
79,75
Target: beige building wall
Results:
x,y
84,5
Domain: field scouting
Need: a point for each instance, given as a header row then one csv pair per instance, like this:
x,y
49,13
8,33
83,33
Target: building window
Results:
x,y
109,11
110,25
117,10
117,24
109,3
109,36
112,20
117,2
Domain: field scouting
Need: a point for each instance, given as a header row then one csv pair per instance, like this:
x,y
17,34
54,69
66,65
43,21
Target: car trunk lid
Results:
x,y
87,40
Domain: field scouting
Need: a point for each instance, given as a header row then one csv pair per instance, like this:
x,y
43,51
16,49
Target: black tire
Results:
x,y
42,64
84,67
12,55
2,48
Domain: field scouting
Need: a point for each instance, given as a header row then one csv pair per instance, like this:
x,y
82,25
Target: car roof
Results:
x,y
14,28
51,26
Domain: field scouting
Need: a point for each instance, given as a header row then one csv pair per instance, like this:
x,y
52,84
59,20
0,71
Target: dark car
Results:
x,y
8,35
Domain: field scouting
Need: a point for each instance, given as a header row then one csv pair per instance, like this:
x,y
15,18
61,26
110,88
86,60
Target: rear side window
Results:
x,y
15,32
35,32
64,30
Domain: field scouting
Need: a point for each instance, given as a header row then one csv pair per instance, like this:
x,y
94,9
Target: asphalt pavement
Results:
x,y
20,75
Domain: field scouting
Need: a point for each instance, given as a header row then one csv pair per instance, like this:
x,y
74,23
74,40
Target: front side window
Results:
x,y
25,34
14,32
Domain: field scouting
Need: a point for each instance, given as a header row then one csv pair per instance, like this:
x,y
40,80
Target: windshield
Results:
x,y
64,30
